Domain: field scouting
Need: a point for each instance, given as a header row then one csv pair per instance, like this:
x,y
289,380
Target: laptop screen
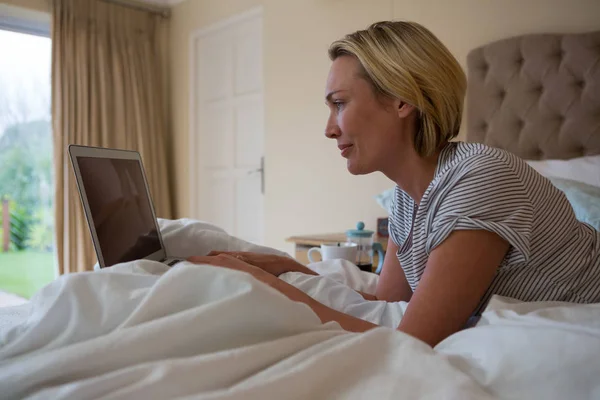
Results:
x,y
120,208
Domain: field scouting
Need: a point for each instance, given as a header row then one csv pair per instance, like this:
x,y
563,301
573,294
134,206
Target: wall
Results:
x,y
308,187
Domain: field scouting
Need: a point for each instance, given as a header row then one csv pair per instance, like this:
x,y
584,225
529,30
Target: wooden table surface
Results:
x,y
304,242
318,239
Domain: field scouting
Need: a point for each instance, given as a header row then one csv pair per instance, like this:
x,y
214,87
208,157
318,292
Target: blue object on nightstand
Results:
x,y
366,247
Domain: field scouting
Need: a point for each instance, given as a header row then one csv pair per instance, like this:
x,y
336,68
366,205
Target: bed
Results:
x,y
538,96
141,330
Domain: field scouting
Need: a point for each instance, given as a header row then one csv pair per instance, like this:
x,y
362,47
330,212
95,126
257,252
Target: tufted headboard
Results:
x,y
537,95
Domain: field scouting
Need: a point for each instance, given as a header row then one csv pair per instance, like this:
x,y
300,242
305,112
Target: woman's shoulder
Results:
x,y
400,218
463,157
472,173
402,206
402,201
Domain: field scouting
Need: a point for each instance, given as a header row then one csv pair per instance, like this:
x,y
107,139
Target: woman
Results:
x,y
468,221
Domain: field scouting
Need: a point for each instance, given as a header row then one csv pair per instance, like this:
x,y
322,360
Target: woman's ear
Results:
x,y
405,109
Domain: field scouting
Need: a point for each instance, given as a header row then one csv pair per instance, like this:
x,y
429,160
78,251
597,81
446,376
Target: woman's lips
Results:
x,y
345,149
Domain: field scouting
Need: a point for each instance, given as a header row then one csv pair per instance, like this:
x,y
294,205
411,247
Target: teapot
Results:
x,y
366,247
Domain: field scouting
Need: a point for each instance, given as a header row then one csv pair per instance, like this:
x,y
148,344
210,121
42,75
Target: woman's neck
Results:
x,y
414,174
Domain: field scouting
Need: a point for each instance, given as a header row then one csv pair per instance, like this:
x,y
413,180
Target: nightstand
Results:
x,y
304,242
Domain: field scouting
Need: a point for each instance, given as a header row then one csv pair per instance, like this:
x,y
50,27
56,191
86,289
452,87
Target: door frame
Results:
x,y
192,139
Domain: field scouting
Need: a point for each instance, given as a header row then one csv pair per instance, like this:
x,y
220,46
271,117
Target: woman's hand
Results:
x,y
235,262
325,314
273,264
232,262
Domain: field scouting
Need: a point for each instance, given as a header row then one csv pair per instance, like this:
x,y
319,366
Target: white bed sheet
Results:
x,y
141,330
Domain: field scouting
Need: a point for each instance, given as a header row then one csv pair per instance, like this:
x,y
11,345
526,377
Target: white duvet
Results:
x,y
141,330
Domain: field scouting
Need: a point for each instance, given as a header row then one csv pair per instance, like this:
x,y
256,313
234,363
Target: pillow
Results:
x,y
384,199
585,200
581,169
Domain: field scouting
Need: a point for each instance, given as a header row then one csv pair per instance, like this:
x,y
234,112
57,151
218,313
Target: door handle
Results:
x,y
260,170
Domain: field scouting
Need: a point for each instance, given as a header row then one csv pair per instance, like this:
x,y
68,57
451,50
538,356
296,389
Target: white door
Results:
x,y
227,126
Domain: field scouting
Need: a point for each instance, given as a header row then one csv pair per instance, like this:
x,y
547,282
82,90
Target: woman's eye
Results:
x,y
338,105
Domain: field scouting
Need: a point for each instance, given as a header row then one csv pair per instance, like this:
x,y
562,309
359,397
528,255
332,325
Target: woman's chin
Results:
x,y
357,169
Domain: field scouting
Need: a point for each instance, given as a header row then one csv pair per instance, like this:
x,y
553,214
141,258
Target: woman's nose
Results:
x,y
332,130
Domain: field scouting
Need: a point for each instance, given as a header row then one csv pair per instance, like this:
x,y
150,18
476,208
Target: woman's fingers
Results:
x,y
246,254
272,264
235,254
215,254
231,262
196,259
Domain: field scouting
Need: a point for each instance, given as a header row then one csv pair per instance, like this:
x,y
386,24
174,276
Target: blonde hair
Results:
x,y
404,60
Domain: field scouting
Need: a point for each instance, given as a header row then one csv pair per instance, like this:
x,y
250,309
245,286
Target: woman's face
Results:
x,y
368,130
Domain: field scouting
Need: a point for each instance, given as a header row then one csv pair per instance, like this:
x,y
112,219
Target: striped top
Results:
x,y
552,256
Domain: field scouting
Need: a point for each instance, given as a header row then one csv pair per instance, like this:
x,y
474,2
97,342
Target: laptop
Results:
x,y
117,205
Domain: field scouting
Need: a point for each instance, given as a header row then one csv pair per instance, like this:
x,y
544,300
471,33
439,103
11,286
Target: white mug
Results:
x,y
333,251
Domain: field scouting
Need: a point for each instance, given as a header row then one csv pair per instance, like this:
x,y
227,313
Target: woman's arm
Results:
x,y
392,285
325,314
271,263
457,275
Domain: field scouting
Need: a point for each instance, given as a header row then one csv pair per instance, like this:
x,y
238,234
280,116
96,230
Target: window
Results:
x,y
26,183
